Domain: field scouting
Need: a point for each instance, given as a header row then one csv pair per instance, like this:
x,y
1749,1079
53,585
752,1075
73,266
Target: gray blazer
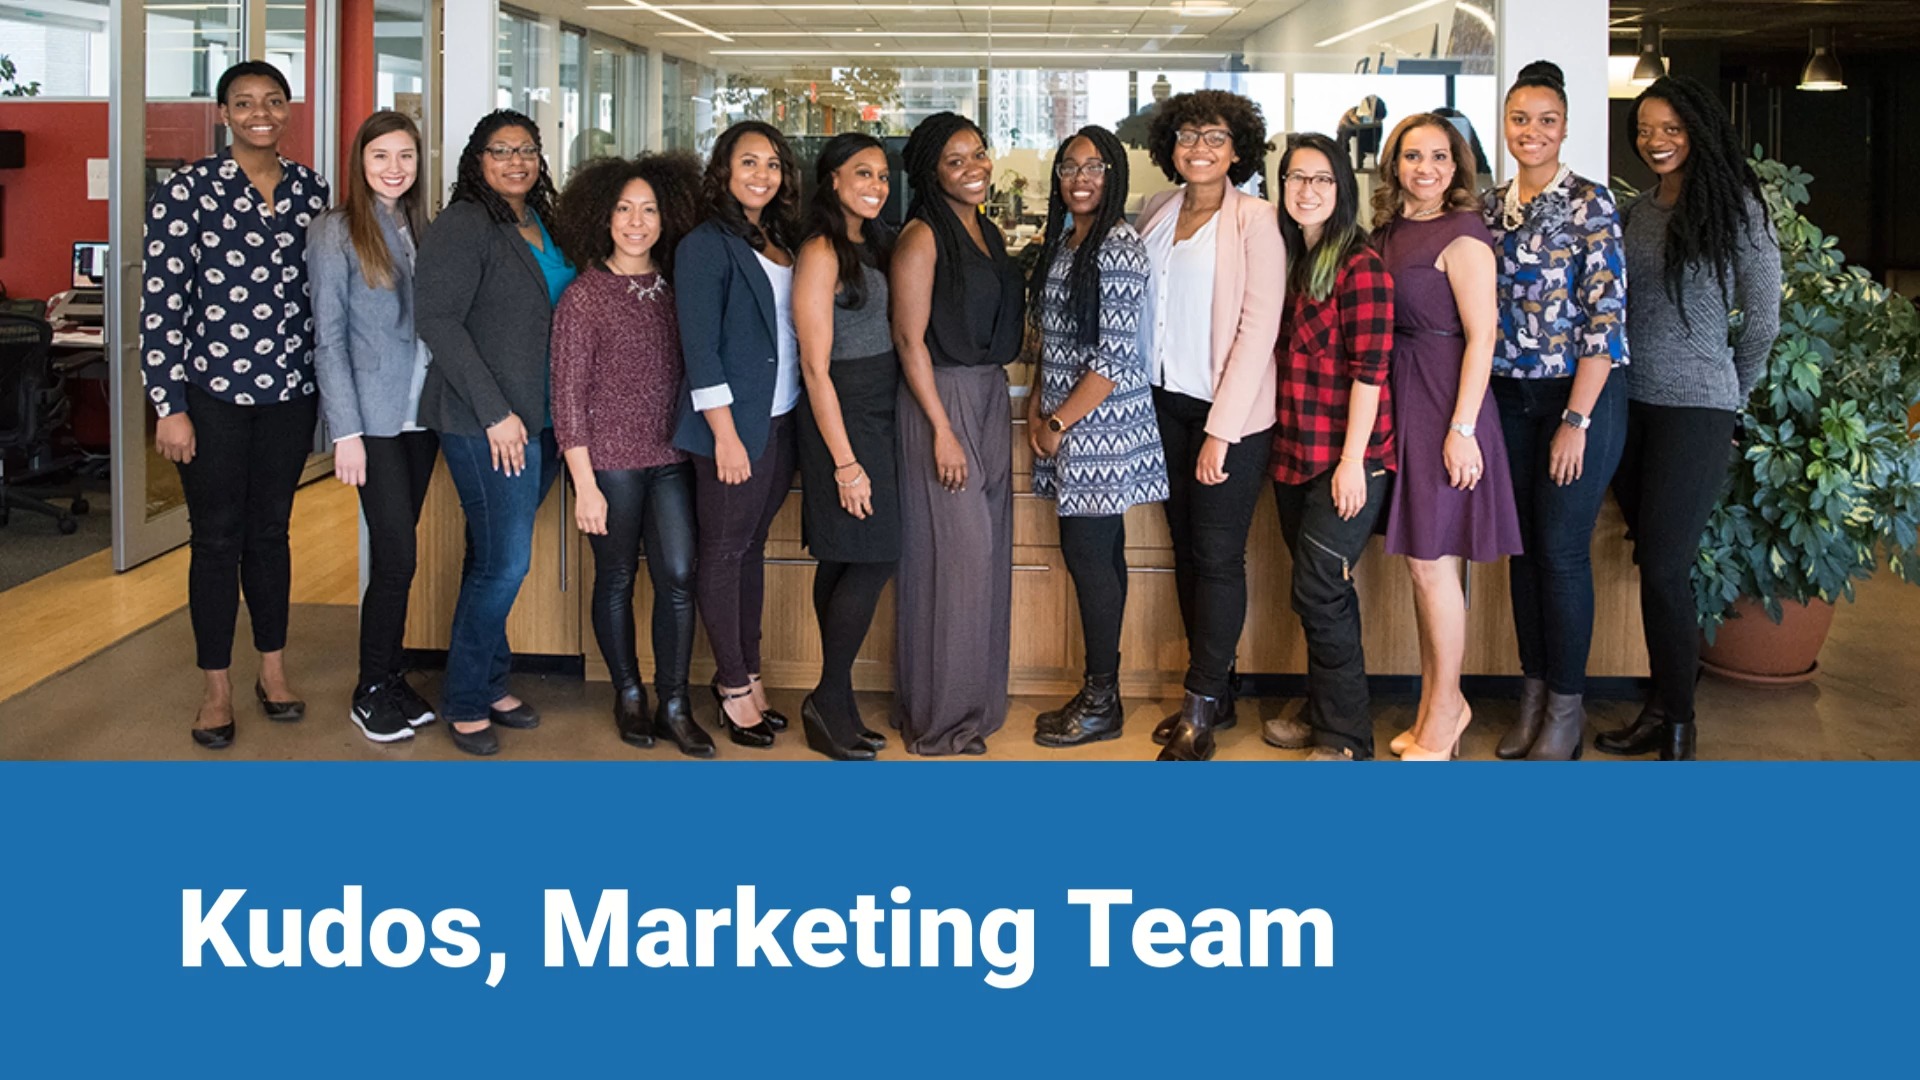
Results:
x,y
481,306
364,344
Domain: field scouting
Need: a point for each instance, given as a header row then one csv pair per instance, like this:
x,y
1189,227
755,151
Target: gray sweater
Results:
x,y
1692,359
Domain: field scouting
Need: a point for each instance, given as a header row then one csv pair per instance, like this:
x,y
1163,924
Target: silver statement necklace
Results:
x,y
646,292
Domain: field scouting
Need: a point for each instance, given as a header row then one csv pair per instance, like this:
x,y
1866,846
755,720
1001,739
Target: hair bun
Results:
x,y
1544,71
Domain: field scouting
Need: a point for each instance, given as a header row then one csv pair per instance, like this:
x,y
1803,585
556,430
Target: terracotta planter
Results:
x,y
1750,648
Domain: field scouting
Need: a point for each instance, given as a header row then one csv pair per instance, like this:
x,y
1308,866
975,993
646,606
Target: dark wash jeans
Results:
x,y
1209,523
500,510
650,510
1671,473
1325,550
1552,580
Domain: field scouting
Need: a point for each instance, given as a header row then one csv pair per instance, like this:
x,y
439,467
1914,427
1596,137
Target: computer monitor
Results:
x,y
90,265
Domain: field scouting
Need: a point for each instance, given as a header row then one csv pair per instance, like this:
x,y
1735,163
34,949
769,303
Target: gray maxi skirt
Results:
x,y
954,595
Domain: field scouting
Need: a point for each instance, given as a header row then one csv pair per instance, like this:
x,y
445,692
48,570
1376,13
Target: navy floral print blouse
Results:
x,y
225,303
1563,279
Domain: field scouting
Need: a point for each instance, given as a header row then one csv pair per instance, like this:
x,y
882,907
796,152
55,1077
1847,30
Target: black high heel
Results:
x,y
283,711
773,718
758,736
821,741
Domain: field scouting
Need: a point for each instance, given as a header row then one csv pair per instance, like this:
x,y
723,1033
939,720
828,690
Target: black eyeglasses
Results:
x,y
508,153
1321,182
1092,170
1214,137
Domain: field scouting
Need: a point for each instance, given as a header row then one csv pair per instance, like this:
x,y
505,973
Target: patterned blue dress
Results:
x,y
1111,460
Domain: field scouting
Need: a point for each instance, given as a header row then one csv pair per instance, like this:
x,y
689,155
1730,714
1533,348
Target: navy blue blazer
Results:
x,y
728,336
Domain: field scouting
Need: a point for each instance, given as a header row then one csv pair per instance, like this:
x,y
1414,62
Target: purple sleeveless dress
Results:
x,y
1427,518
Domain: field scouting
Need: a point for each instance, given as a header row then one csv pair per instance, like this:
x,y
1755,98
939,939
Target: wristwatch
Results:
x,y
1465,431
1054,425
1575,420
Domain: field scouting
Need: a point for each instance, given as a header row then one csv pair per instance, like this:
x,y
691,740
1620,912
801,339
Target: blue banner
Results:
x,y
1092,919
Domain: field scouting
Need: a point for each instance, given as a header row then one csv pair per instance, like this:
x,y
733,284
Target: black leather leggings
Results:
x,y
654,506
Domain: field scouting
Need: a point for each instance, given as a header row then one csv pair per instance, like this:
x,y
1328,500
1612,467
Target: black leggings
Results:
x,y
1671,473
1095,550
239,487
654,506
844,598
398,470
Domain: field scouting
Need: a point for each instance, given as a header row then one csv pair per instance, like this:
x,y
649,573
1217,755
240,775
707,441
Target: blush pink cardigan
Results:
x,y
1249,283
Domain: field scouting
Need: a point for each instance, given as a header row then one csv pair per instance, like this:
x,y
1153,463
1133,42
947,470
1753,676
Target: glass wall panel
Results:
x,y
57,50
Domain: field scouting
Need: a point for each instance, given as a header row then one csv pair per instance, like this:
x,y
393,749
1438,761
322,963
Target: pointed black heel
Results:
x,y
773,718
758,736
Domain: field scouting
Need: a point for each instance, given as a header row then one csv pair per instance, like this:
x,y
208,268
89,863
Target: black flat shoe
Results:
x,y
759,736
821,741
283,711
773,718
630,718
673,720
523,717
215,738
482,743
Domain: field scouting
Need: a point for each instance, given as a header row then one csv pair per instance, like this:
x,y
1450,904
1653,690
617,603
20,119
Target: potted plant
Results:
x,y
1827,483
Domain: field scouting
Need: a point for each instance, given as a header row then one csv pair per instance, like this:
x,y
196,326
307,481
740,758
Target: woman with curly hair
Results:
x,y
1213,313
1563,297
488,279
616,377
734,292
1699,248
1096,451
1453,494
958,307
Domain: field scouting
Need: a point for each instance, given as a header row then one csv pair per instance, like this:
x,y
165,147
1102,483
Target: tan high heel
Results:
x,y
1417,752
1401,742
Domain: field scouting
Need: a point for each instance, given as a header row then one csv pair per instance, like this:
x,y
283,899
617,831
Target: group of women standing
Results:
x,y
684,339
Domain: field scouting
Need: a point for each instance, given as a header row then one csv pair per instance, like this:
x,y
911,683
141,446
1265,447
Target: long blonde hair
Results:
x,y
1387,193
362,207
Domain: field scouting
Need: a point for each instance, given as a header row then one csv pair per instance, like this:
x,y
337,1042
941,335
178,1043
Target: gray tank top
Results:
x,y
863,331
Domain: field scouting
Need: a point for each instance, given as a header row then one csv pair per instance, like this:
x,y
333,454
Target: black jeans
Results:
x,y
1095,551
1552,580
731,576
1325,550
1671,474
398,471
1209,523
239,487
650,507
845,595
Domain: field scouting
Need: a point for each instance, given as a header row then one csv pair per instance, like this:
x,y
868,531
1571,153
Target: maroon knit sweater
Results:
x,y
617,370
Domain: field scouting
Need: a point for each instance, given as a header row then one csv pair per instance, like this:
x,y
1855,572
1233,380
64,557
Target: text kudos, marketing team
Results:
x,y
1465,373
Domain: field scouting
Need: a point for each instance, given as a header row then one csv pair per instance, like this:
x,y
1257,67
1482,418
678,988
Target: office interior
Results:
x,y
103,99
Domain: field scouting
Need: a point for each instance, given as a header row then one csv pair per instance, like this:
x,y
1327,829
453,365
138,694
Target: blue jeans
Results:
x,y
500,510
1552,583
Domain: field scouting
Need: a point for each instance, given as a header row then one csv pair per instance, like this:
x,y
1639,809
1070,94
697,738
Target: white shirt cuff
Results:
x,y
712,397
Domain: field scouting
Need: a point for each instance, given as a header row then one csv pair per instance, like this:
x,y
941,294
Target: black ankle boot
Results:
x,y
1533,711
1224,715
673,720
1680,742
630,716
1192,738
1645,735
1563,730
1094,714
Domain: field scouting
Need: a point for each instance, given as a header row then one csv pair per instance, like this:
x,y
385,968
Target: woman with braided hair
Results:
x,y
1698,249
957,316
1096,449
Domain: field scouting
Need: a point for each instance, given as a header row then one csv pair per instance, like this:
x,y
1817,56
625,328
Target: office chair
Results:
x,y
32,406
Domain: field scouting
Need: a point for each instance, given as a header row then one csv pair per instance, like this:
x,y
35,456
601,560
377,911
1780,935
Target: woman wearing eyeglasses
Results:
x,y
1212,314
488,278
1333,449
1096,450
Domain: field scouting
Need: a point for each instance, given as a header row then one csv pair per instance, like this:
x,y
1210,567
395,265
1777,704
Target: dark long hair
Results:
x,y
1083,277
583,219
922,159
778,221
361,207
1719,193
827,217
470,183
1313,270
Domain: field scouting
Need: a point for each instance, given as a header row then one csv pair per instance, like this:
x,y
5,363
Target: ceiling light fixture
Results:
x,y
1381,21
1651,64
1823,67
1202,9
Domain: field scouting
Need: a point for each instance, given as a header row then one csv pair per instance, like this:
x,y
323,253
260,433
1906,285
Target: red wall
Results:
x,y
47,208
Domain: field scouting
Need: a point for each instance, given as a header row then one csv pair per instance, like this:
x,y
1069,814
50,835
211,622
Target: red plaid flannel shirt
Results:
x,y
1324,347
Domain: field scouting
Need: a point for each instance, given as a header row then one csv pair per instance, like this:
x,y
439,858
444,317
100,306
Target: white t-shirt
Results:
x,y
786,383
1182,309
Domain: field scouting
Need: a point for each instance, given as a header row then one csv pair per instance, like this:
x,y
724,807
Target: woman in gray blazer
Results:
x,y
372,366
489,276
